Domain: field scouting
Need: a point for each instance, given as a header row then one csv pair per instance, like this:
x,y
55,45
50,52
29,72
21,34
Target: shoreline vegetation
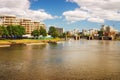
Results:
x,y
9,42
28,41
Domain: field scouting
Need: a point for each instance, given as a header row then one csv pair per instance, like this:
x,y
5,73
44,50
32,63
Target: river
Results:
x,y
70,60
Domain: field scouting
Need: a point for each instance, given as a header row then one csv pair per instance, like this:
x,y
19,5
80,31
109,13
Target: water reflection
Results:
x,y
76,60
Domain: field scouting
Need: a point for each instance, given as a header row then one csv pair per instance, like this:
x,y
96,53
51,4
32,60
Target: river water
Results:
x,y
71,60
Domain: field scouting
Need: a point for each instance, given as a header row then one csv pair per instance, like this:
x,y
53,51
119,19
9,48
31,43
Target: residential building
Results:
x,y
42,25
91,32
36,25
85,32
28,24
9,20
74,32
108,31
59,30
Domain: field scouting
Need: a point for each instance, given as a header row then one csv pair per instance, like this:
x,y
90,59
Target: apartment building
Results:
x,y
59,30
42,25
28,24
9,20
36,25
91,32
108,30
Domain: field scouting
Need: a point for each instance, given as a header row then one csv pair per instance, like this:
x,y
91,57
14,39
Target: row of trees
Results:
x,y
52,31
16,31
12,31
38,32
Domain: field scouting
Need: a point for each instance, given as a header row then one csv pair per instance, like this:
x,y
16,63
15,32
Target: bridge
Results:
x,y
100,38
74,37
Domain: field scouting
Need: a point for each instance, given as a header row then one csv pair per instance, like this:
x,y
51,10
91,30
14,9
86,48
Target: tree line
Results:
x,y
52,31
36,33
12,31
17,31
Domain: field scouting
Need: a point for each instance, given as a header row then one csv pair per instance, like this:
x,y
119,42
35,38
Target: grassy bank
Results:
x,y
8,42
117,39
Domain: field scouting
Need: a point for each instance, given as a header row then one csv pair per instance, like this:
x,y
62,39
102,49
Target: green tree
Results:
x,y
10,31
3,31
53,32
100,33
21,30
63,35
15,31
43,32
35,33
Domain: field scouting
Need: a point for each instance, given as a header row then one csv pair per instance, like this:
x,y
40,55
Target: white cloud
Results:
x,y
95,10
75,15
96,20
21,8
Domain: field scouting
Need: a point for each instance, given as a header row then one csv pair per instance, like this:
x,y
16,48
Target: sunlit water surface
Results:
x,y
71,60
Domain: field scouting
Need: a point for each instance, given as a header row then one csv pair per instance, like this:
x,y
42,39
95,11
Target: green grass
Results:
x,y
43,40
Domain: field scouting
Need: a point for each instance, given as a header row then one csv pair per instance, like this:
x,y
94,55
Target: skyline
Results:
x,y
69,14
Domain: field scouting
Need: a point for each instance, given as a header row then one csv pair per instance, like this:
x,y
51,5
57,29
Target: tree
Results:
x,y
53,32
63,35
10,31
3,31
43,32
20,31
15,31
100,33
35,33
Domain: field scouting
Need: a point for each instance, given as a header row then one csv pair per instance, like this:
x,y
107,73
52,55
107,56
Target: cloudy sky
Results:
x,y
69,14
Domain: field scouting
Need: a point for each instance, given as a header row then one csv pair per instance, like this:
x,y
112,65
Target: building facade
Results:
x,y
8,20
90,32
109,31
59,30
28,24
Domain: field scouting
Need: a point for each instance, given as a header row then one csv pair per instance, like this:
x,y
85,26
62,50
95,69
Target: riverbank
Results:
x,y
117,39
29,41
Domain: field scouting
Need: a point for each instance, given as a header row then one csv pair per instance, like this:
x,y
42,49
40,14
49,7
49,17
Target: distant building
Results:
x,y
28,24
74,32
91,32
108,31
85,32
59,30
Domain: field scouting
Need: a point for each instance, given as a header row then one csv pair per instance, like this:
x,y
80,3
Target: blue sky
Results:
x,y
69,14
58,7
